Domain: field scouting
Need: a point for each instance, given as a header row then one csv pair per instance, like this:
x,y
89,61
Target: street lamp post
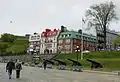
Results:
x,y
83,21
77,50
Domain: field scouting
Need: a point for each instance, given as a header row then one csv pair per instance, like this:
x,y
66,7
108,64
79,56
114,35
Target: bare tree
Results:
x,y
100,15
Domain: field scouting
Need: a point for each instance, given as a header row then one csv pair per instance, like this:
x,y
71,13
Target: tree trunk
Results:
x,y
104,36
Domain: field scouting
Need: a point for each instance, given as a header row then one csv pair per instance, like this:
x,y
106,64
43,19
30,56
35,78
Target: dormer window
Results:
x,y
76,35
66,35
69,35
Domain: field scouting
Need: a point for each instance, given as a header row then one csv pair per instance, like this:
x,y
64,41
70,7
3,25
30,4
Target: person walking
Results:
x,y
9,67
44,64
18,68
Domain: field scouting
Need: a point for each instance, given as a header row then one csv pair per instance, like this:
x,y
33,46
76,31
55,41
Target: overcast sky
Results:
x,y
29,16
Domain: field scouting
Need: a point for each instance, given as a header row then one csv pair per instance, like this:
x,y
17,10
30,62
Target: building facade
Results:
x,y
100,39
111,35
69,40
34,44
49,41
110,38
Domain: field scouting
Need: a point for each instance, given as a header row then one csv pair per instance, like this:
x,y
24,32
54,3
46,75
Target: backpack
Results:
x,y
18,66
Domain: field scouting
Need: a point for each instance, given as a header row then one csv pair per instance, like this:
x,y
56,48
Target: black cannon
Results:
x,y
76,66
62,65
95,65
50,64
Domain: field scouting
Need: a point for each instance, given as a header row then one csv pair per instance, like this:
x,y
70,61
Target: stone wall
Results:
x,y
25,58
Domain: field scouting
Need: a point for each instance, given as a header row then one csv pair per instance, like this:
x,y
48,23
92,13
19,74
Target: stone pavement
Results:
x,y
34,74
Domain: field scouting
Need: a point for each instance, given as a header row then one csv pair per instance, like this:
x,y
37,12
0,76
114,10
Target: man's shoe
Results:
x,y
9,77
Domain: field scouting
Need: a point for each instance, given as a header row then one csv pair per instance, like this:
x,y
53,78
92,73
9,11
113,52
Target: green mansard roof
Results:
x,y
76,35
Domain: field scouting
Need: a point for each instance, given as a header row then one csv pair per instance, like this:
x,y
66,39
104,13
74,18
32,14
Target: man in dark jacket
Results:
x,y
44,64
9,67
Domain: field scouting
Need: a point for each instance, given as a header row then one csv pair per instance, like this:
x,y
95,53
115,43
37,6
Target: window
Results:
x,y
67,41
65,35
54,44
59,42
34,42
50,51
38,37
31,43
38,43
67,47
42,40
51,41
74,41
69,35
32,38
49,45
45,41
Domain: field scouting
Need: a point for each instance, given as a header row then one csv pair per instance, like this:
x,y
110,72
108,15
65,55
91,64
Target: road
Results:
x,y
34,74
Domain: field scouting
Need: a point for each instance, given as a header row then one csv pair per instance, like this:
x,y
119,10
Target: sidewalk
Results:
x,y
93,71
101,72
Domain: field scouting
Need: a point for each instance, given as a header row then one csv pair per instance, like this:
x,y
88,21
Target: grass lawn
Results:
x,y
18,46
109,60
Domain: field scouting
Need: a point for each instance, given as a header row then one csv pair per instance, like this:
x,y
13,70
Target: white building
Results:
x,y
49,41
34,43
111,35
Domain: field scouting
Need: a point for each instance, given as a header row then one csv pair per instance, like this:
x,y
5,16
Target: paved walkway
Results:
x,y
32,74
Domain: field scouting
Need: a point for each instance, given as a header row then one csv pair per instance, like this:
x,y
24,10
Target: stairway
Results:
x,y
49,56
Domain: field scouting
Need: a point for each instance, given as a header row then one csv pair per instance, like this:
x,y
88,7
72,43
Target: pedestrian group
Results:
x,y
13,66
18,67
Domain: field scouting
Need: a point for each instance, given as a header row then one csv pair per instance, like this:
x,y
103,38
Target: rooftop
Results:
x,y
49,32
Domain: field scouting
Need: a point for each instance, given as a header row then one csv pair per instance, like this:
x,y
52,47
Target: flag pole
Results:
x,y
82,40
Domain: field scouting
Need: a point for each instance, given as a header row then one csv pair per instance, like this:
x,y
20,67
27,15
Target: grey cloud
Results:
x,y
30,16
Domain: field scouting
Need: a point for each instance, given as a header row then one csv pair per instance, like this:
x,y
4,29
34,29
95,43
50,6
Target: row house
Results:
x,y
49,41
34,43
54,41
69,40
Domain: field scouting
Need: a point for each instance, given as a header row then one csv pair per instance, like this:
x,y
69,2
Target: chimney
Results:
x,y
35,33
63,29
54,29
47,30
80,31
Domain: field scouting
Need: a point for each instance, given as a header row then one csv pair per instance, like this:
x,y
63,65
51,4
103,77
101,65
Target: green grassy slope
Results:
x,y
18,46
110,60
